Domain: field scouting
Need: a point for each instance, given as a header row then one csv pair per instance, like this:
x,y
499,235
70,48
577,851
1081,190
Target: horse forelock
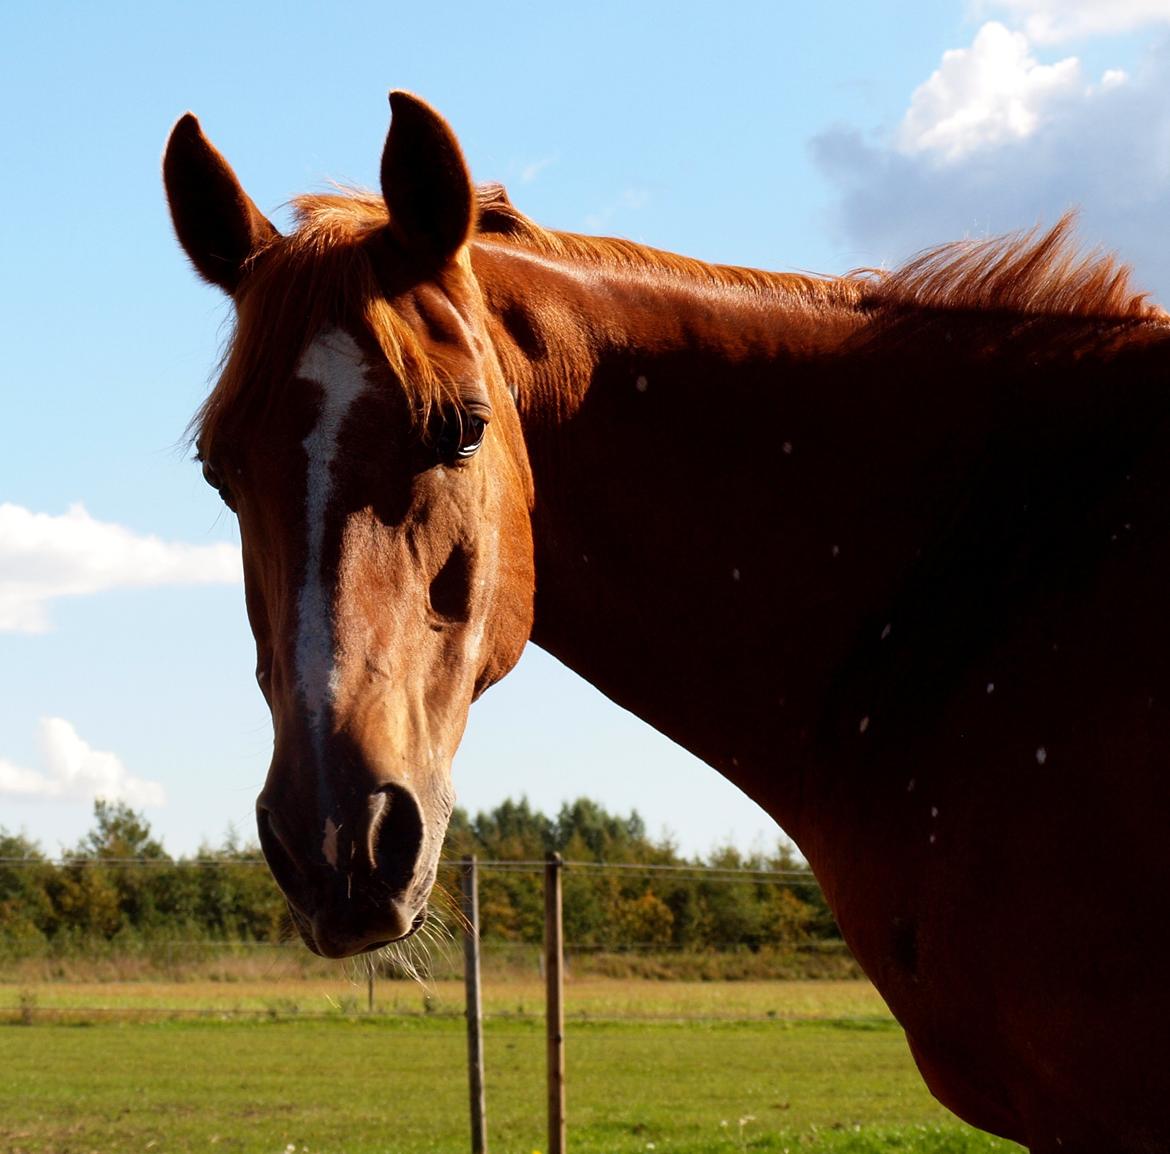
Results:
x,y
324,274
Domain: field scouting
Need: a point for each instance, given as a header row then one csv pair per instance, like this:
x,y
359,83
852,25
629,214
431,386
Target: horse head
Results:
x,y
364,435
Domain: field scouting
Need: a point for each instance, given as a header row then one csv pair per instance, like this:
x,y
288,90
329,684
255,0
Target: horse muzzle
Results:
x,y
353,874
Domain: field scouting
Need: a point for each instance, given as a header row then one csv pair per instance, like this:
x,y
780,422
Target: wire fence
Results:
x,y
534,866
626,952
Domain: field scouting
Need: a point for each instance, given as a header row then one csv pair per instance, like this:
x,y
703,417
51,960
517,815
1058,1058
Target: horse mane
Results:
x,y
1027,272
500,219
325,272
1032,273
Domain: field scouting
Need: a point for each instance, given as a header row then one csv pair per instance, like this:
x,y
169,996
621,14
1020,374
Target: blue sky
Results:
x,y
819,137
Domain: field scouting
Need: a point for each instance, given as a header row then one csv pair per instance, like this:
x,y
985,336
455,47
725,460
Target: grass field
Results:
x,y
586,999
299,1067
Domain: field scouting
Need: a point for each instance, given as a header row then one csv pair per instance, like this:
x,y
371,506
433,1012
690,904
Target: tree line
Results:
x,y
118,884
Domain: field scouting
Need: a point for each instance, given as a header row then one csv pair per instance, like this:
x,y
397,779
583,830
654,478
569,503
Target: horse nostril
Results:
x,y
281,862
394,835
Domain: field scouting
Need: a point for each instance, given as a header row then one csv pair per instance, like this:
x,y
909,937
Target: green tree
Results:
x,y
26,909
584,830
102,891
644,920
610,908
119,832
237,898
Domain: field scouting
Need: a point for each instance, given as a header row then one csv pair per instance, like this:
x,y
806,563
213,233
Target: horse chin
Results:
x,y
336,944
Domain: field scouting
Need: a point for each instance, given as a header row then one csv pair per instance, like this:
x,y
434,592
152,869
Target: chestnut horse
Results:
x,y
888,551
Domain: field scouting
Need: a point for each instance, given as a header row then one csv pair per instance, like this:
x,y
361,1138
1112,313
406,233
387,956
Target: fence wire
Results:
x,y
620,928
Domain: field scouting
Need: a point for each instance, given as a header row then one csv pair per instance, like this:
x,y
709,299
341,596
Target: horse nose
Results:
x,y
349,877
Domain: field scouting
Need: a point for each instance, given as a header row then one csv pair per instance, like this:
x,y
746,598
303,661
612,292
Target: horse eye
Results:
x,y
212,477
461,435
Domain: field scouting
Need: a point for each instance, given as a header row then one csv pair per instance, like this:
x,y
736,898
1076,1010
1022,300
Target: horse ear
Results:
x,y
425,181
214,218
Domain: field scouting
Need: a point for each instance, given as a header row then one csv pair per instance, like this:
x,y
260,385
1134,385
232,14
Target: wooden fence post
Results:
x,y
554,970
469,883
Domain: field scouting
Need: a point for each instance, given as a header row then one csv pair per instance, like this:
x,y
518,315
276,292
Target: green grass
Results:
x,y
356,1084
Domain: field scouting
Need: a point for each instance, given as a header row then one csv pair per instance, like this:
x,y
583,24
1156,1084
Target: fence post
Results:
x,y
469,884
370,985
554,969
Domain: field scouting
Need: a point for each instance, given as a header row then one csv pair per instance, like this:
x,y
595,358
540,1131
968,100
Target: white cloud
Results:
x,y
982,96
997,140
43,557
74,771
1050,21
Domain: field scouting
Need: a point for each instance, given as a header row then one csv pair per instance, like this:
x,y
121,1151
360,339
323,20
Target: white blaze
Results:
x,y
335,363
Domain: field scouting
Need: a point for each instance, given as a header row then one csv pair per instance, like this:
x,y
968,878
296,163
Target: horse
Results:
x,y
890,551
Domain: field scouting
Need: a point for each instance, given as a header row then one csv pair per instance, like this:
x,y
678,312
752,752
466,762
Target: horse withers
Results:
x,y
889,551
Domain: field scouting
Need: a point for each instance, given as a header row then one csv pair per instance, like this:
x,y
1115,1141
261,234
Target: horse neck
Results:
x,y
732,488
